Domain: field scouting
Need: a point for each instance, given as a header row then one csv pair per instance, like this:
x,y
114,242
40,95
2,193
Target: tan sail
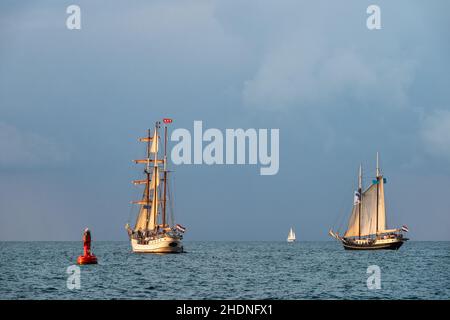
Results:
x,y
353,224
381,206
369,211
152,222
154,184
146,211
373,213
141,221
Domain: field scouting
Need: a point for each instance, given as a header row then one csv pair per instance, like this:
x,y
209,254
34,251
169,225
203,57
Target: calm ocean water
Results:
x,y
225,270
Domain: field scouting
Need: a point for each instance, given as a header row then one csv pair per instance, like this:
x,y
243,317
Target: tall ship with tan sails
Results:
x,y
152,232
367,228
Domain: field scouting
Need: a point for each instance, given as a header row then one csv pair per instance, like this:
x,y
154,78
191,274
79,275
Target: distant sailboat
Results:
x,y
291,236
152,232
367,225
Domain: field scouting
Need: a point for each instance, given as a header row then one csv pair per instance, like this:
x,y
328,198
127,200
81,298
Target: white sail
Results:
x,y
154,147
291,235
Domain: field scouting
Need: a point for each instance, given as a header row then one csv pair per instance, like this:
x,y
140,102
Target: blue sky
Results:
x,y
73,102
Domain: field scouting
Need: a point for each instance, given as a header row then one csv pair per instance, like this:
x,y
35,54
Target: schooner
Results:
x,y
367,229
152,232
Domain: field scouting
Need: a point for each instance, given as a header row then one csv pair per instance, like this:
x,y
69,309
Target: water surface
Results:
x,y
225,270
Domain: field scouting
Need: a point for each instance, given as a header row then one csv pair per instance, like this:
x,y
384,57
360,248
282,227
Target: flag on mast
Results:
x,y
357,198
180,228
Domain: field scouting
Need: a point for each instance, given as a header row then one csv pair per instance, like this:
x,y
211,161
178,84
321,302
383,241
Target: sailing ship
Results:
x,y
291,236
367,228
152,232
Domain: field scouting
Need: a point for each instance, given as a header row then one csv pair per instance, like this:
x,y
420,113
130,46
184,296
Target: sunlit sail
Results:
x,y
291,236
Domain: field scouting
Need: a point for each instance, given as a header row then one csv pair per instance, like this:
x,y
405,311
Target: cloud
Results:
x,y
306,56
303,74
27,149
435,133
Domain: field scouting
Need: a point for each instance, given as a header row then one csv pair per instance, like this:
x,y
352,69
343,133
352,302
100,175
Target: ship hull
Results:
x,y
165,244
388,244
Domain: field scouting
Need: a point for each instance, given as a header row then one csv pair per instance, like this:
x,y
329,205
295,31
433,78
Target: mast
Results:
x,y
378,166
147,171
378,188
165,179
155,177
360,199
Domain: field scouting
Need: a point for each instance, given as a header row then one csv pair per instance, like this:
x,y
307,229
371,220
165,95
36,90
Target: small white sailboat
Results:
x,y
291,236
152,232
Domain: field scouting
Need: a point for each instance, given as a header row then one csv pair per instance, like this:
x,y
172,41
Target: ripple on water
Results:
x,y
225,270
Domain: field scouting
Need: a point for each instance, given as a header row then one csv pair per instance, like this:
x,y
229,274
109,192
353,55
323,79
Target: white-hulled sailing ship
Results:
x,y
367,228
291,236
152,232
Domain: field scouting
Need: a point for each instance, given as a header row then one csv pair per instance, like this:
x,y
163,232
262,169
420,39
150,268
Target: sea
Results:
x,y
225,270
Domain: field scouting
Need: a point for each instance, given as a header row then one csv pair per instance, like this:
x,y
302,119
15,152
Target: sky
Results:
x,y
74,102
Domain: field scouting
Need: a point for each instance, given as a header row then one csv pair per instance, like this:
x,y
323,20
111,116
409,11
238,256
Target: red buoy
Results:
x,y
88,257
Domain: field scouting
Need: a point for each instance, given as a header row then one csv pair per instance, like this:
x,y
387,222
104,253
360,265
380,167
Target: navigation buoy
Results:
x,y
88,257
